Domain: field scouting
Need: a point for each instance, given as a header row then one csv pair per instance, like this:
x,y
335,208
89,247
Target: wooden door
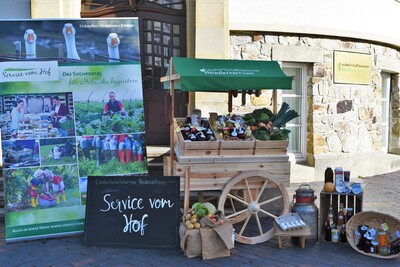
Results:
x,y
162,29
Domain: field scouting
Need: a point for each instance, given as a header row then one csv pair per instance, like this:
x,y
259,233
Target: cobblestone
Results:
x,y
380,194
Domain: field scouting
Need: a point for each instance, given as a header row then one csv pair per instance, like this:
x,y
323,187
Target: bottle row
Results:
x,y
377,241
339,181
335,226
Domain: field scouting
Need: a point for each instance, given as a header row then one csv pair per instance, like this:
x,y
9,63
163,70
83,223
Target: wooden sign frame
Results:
x,y
133,211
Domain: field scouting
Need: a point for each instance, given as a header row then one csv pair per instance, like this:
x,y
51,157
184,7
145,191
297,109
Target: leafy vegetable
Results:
x,y
284,115
270,126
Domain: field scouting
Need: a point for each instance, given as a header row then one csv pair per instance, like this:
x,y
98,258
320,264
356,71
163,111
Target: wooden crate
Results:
x,y
349,201
238,148
213,176
197,148
270,147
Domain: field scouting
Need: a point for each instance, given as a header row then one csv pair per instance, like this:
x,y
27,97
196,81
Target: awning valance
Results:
x,y
215,75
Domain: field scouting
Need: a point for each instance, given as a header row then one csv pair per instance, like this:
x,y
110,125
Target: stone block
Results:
x,y
297,54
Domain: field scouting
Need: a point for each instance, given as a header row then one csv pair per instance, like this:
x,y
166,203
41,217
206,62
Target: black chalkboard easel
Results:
x,y
133,211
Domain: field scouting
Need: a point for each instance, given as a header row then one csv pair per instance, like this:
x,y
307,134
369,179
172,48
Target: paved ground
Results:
x,y
381,193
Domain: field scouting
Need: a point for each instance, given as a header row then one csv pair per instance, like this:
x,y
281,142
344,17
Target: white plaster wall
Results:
x,y
55,9
377,20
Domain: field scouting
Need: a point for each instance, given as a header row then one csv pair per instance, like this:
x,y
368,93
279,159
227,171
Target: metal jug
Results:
x,y
306,208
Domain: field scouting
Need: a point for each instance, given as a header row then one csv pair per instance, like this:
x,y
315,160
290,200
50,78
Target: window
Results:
x,y
297,100
161,41
386,81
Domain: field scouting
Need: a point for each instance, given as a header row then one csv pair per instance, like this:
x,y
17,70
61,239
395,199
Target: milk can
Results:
x,y
304,205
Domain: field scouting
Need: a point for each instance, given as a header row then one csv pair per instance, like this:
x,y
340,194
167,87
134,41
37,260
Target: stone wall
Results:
x,y
342,118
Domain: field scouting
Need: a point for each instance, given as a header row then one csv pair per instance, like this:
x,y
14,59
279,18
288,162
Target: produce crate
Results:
x,y
270,147
349,201
196,148
236,147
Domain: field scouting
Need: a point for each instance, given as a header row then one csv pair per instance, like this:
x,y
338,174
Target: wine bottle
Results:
x,y
329,175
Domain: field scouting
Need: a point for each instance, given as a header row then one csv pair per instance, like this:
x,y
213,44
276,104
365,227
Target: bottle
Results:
x,y
234,134
328,230
330,216
393,237
340,220
241,134
367,244
200,136
210,135
382,237
329,175
346,178
343,236
374,247
339,182
350,214
335,235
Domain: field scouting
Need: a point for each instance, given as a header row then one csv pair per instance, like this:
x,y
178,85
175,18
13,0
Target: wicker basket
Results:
x,y
372,219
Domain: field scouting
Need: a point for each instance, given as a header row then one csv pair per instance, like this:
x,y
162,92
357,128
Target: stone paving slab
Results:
x,y
381,193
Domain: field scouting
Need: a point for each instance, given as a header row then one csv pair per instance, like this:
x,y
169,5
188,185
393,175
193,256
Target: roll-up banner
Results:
x,y
71,106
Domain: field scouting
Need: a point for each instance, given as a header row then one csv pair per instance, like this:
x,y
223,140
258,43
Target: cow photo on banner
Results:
x,y
71,106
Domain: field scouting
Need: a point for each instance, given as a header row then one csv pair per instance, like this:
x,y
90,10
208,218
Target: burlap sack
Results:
x,y
211,241
216,241
190,241
208,223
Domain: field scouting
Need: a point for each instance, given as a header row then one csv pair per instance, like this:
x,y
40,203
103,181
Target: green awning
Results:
x,y
217,75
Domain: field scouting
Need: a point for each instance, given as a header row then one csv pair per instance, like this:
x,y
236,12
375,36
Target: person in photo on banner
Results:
x,y
134,149
97,144
59,112
114,147
33,187
57,185
18,115
139,153
121,148
106,149
114,106
85,146
128,147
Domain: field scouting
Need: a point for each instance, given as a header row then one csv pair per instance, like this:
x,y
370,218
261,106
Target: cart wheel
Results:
x,y
251,201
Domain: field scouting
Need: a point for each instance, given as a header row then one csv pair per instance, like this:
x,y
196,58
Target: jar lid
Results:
x,y
356,188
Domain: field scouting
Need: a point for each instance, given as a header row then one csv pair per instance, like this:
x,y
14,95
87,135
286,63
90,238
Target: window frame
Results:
x,y
300,156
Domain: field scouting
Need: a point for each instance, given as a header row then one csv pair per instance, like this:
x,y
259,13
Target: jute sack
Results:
x,y
190,241
211,241
216,241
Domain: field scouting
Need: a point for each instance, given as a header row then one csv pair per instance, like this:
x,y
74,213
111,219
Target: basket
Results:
x,y
372,219
47,202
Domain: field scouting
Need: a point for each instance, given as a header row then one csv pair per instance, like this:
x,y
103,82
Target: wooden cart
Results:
x,y
252,184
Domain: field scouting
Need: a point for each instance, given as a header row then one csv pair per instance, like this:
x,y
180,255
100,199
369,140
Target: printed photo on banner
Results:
x,y
56,151
72,41
37,115
108,154
71,106
110,112
20,153
32,189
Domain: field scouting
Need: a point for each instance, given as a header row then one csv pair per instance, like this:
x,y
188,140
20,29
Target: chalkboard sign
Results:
x,y
133,211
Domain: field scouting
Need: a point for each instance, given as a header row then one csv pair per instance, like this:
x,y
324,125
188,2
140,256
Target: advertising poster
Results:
x,y
71,106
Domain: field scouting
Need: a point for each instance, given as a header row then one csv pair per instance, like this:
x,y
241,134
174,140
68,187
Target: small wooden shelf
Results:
x,y
349,201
